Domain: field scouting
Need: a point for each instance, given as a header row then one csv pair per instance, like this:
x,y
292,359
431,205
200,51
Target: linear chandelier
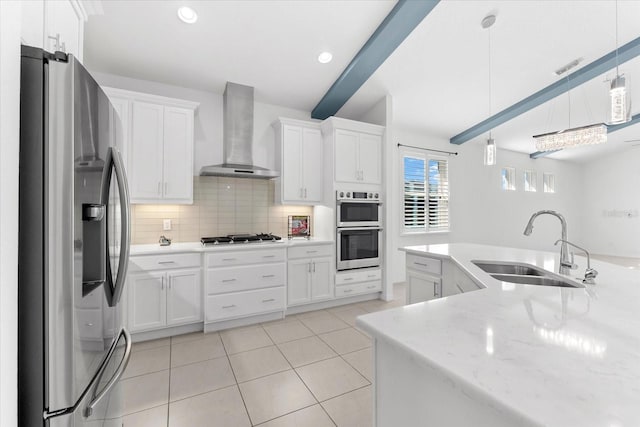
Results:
x,y
585,135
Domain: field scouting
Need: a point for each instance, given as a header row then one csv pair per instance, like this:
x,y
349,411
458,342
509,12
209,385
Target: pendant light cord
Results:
x,y
617,71
490,88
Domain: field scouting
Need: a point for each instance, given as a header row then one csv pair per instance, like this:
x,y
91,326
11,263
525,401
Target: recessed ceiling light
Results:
x,y
188,15
325,57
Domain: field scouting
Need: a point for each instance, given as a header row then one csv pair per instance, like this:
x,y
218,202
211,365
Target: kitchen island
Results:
x,y
510,354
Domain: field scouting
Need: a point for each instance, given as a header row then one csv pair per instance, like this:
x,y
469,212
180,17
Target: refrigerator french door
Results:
x,y
74,237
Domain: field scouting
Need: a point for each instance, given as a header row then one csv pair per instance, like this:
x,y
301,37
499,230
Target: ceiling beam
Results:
x,y
573,80
403,18
610,128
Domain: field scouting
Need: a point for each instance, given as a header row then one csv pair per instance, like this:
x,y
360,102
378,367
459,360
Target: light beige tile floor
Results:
x,y
308,370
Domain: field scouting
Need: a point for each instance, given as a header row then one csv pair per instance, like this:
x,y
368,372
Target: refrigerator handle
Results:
x,y
116,376
114,158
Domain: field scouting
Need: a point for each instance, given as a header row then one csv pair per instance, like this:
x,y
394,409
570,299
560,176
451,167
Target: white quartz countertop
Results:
x,y
555,356
156,249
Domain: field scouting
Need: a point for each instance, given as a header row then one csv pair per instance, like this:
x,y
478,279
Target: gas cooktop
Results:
x,y
239,238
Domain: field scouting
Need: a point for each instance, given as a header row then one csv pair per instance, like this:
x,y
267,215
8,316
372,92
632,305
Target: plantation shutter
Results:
x,y
438,195
414,193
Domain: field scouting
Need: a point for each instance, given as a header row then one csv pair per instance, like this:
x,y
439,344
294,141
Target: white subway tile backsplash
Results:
x,y
221,206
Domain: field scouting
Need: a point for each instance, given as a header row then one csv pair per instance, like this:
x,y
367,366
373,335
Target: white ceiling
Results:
x,y
438,78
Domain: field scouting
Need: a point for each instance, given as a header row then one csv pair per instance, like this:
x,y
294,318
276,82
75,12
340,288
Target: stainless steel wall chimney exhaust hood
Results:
x,y
237,139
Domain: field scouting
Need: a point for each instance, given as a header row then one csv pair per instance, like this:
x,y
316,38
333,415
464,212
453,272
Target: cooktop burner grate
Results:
x,y
240,238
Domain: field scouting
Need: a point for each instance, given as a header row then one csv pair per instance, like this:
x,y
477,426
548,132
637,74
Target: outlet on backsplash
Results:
x,y
221,206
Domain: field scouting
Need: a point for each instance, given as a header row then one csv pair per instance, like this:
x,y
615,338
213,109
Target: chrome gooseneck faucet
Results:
x,y
565,263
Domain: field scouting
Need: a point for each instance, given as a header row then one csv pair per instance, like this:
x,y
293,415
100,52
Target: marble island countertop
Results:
x,y
551,356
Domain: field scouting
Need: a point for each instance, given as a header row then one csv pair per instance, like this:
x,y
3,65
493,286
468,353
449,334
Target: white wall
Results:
x,y
481,212
611,184
10,18
208,120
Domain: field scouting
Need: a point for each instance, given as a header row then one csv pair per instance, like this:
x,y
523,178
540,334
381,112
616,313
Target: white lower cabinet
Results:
x,y
430,278
349,283
161,294
310,274
243,284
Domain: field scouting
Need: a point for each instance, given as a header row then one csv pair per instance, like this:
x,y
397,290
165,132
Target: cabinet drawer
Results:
x,y
358,288
428,265
358,276
310,251
163,262
248,303
224,259
221,280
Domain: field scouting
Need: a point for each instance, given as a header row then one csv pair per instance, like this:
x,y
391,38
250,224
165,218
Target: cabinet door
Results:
x,y
321,283
178,155
61,21
312,164
184,297
147,303
298,286
145,172
292,164
120,134
346,156
422,287
369,158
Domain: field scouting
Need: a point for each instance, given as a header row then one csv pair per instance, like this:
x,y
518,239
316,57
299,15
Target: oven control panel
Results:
x,y
358,195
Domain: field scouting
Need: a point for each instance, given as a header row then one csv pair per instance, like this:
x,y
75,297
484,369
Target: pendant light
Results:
x,y
620,107
490,147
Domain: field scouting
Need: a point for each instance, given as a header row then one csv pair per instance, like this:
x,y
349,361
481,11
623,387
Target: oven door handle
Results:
x,y
340,230
369,201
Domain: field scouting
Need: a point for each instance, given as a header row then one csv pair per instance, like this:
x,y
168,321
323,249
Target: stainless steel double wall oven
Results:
x,y
359,229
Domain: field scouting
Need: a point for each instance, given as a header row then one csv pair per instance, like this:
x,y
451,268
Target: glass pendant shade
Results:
x,y
587,135
490,152
620,101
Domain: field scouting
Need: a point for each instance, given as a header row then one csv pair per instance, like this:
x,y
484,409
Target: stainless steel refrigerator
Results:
x,y
73,247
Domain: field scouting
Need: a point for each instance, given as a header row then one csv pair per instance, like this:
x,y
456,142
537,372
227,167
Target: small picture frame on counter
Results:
x,y
299,226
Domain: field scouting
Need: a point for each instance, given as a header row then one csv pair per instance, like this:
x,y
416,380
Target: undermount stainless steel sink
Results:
x,y
509,269
536,280
525,274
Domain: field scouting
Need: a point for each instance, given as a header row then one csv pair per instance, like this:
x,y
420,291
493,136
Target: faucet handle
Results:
x,y
590,275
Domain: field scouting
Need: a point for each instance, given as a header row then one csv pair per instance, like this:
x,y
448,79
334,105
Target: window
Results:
x,y
548,183
426,193
530,178
508,176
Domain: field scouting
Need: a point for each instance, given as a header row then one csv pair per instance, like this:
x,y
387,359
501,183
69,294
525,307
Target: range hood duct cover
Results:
x,y
237,137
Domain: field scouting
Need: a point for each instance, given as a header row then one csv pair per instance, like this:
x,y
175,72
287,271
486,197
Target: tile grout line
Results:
x,y
246,410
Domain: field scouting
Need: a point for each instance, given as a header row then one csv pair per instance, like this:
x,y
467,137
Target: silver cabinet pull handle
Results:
x,y
371,287
311,252
314,267
435,294
268,256
162,284
229,259
268,300
420,263
309,267
348,278
266,276
166,262
346,291
370,276
459,288
228,306
228,280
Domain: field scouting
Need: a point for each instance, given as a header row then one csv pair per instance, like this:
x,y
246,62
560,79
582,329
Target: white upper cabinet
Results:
x,y
157,140
54,25
357,149
300,158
